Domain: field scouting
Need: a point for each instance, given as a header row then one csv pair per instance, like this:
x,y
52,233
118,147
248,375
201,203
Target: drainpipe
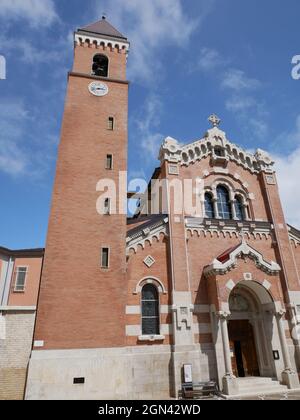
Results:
x,y
4,300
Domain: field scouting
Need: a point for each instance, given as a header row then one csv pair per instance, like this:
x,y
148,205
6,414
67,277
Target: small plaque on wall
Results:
x,y
173,170
276,355
270,180
188,374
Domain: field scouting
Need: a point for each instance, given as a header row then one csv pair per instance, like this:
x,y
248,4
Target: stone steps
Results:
x,y
256,386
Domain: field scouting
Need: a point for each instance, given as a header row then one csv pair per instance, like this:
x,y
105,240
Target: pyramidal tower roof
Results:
x,y
103,28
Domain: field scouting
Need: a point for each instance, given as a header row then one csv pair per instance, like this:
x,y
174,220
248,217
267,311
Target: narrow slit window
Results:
x,y
209,206
79,381
105,258
111,123
239,208
109,162
106,209
224,205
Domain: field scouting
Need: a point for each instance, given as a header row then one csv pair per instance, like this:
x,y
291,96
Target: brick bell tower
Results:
x,y
84,271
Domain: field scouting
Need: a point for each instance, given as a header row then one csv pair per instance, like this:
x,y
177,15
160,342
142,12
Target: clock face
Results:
x,y
98,89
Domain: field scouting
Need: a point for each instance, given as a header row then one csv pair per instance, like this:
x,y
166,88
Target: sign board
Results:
x,y
188,374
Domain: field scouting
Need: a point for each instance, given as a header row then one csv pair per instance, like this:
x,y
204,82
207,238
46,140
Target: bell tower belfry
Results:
x,y
85,262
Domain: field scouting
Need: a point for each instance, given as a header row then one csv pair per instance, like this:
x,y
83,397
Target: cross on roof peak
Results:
x,y
214,120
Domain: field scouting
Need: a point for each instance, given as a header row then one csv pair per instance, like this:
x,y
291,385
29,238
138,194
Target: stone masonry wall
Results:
x,y
14,353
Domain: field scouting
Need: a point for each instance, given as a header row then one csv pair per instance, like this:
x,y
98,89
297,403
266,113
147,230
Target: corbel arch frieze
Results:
x,y
215,137
150,240
147,235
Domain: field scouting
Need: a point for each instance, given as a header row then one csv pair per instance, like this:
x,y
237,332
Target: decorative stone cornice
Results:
x,y
82,38
243,250
172,151
228,228
146,233
294,235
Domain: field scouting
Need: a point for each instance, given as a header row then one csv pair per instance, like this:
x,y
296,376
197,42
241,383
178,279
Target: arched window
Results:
x,y
239,208
150,310
219,152
100,65
224,205
209,206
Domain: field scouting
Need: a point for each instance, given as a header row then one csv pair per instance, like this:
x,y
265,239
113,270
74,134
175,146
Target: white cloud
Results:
x,y
34,55
12,160
37,12
151,26
13,115
288,172
209,60
147,125
239,103
248,109
237,80
23,151
30,54
258,126
239,89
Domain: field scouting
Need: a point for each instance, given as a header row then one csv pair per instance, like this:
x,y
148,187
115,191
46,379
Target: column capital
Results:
x,y
280,312
223,314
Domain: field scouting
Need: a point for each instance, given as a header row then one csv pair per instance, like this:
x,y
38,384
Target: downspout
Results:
x,y
4,301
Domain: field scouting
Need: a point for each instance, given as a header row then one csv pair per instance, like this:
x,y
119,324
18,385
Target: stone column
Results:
x,y
246,212
230,386
295,323
226,346
289,376
216,209
233,210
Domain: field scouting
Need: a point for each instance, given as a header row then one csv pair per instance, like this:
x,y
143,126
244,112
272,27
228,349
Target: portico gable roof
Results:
x,y
228,260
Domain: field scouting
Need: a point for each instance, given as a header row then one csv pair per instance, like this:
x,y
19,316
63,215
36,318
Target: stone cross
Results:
x,y
214,120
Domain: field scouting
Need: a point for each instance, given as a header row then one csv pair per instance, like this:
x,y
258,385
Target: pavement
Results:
x,y
288,396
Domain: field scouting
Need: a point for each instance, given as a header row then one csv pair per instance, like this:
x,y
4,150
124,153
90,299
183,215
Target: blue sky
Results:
x,y
188,59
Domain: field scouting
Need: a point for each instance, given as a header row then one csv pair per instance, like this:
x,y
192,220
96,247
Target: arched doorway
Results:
x,y
250,330
243,349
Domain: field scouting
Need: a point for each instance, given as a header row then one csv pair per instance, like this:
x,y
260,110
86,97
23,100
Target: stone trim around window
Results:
x,y
150,280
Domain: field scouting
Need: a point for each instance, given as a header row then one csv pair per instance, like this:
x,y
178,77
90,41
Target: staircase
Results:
x,y
260,386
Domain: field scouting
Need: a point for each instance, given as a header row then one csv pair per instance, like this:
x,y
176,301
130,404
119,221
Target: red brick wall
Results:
x,y
289,276
203,250
77,296
84,60
137,270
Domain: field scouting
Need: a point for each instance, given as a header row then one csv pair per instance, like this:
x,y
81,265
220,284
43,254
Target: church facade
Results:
x,y
128,307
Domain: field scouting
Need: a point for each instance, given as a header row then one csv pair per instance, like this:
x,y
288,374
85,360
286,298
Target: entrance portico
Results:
x,y
249,325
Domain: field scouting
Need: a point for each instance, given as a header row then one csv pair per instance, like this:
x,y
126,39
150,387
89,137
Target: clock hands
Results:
x,y
98,89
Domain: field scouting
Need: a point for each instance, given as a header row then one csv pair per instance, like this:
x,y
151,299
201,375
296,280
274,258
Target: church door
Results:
x,y
243,350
